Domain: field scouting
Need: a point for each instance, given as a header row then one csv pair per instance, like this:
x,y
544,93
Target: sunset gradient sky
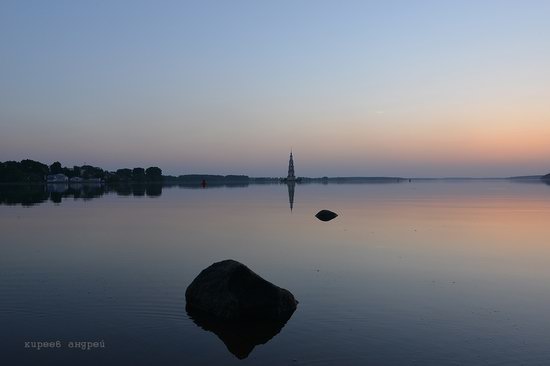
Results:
x,y
370,88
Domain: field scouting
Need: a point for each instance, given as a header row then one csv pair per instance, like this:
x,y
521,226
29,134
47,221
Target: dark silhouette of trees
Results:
x,y
56,168
212,179
68,172
138,174
91,172
153,174
33,171
124,174
24,171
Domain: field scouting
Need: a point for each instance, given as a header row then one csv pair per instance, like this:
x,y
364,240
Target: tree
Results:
x,y
25,171
138,174
124,174
153,173
33,170
56,168
68,172
88,171
11,171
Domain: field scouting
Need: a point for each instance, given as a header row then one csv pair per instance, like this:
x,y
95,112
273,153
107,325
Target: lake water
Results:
x,y
421,273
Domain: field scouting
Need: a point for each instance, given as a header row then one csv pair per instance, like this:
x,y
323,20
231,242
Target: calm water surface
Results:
x,y
422,273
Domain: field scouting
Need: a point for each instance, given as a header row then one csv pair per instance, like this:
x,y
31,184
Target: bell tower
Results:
x,y
291,177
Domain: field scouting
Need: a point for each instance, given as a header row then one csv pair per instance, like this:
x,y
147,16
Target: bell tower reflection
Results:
x,y
291,186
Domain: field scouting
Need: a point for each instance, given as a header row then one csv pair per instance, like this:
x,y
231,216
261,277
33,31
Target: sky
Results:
x,y
354,88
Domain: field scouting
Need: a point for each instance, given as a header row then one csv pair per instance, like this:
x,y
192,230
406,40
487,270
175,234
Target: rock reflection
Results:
x,y
239,337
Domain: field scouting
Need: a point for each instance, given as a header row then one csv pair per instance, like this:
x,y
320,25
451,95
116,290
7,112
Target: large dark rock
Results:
x,y
237,305
229,290
326,215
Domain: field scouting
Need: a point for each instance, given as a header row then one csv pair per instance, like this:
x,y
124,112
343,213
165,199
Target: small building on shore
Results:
x,y
57,178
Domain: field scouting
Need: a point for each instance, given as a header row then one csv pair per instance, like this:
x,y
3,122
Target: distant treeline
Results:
x,y
348,180
30,171
196,179
545,178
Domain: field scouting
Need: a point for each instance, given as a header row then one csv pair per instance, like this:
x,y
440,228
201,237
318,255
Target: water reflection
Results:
x,y
240,338
26,195
30,195
291,186
444,272
210,184
33,194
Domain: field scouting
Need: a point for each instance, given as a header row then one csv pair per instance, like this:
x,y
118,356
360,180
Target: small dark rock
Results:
x,y
229,290
326,215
